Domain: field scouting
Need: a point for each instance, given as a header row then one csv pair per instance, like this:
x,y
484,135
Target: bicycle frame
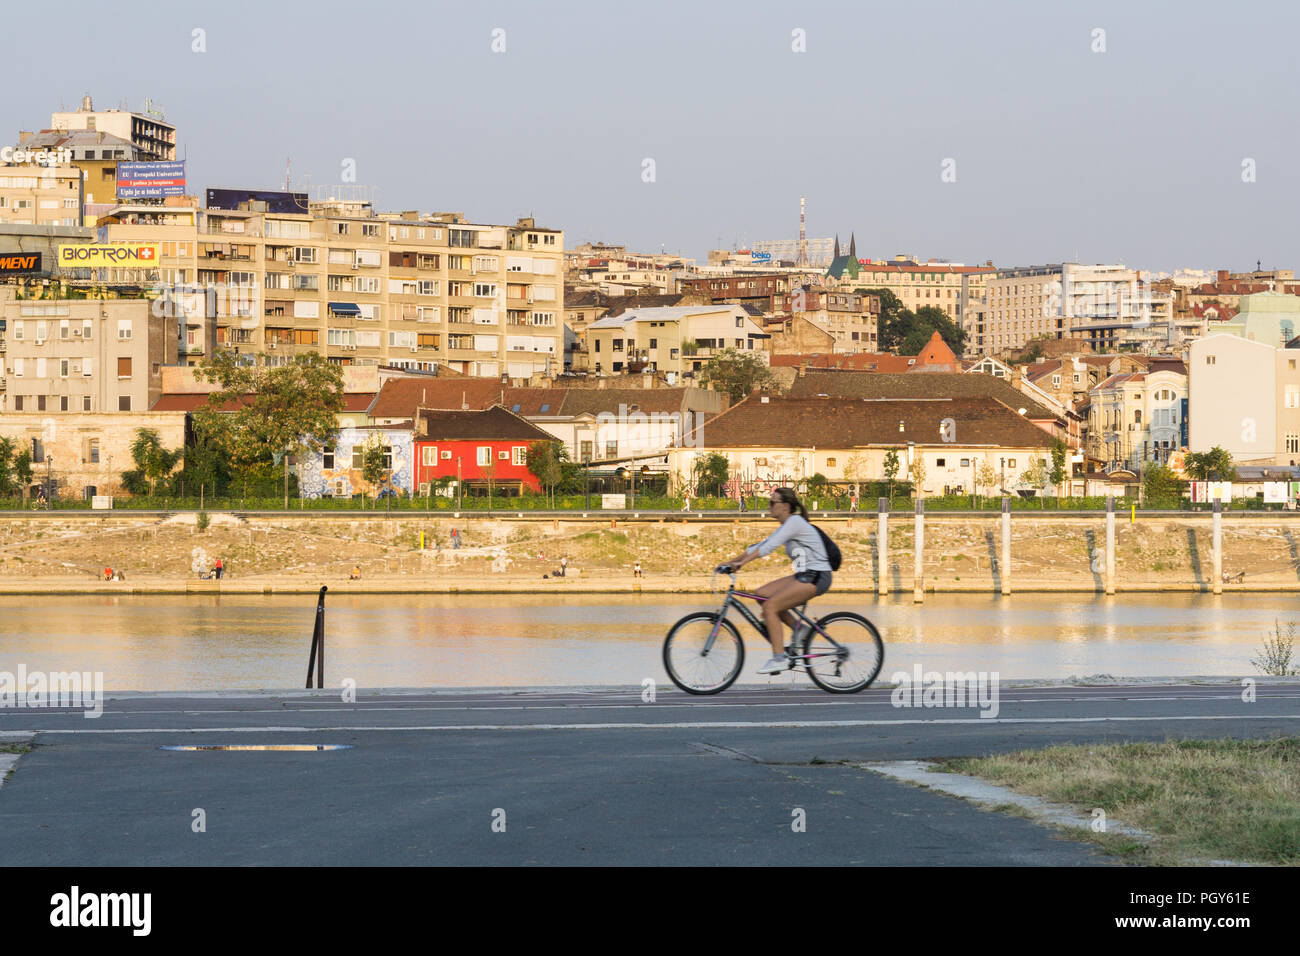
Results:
x,y
732,600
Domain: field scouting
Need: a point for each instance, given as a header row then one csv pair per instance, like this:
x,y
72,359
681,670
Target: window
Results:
x,y
370,230
1292,443
327,454
830,462
40,403
965,462
484,451
63,403
86,365
38,450
1209,360
1293,396
124,403
654,343
85,403
429,455
18,403
611,449
123,330
584,450
304,254
1011,463
63,370
519,455
87,329
123,368
65,331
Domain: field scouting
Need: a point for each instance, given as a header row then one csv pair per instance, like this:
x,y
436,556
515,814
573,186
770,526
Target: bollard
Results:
x,y
918,573
1217,546
882,547
1110,545
1005,559
317,656
1006,546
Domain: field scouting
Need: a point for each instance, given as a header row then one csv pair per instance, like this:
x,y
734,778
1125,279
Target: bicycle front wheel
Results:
x,y
847,657
695,669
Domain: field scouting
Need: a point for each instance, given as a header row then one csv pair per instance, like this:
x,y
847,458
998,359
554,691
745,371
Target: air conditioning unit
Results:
x,y
39,342
270,345
77,332
415,348
424,489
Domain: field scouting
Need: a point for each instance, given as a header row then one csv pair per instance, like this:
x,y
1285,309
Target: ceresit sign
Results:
x,y
90,254
41,157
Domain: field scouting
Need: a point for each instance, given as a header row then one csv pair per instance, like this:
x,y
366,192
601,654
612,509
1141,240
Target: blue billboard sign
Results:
x,y
150,180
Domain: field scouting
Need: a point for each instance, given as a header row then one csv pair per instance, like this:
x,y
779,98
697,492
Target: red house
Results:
x,y
475,445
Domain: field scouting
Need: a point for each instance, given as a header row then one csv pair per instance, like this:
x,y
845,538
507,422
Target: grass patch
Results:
x,y
19,749
1201,799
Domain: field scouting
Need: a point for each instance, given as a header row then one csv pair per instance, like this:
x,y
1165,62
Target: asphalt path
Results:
x,y
755,776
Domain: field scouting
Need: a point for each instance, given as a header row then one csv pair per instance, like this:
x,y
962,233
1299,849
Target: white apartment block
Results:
x,y
1107,305
32,195
76,356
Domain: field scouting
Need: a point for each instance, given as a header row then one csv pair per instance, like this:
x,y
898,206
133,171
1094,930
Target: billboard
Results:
x,y
277,200
89,255
150,180
761,256
19,263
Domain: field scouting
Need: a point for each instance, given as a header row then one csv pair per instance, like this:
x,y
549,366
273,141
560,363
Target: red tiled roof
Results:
x,y
488,424
858,423
191,401
400,397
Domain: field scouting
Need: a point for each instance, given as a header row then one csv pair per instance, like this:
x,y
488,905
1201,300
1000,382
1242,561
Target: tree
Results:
x,y
1058,472
23,469
891,470
924,324
375,460
712,471
737,373
1160,483
1213,465
916,471
153,463
1035,476
258,411
818,485
7,483
895,320
985,476
546,460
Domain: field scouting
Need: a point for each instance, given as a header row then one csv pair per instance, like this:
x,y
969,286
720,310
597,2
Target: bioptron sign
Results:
x,y
91,254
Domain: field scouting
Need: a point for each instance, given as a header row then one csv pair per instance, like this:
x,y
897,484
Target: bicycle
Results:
x,y
842,652
42,504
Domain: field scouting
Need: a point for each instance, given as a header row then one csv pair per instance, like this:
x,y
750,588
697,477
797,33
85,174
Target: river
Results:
x,y
155,643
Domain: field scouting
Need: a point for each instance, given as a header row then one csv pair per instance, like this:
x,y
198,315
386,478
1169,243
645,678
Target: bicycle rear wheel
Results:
x,y
695,671
848,657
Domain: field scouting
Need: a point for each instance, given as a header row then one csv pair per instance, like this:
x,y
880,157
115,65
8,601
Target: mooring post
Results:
x,y
317,656
882,547
1005,560
918,573
1110,544
1218,546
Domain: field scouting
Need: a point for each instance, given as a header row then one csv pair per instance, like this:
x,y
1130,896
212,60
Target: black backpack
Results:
x,y
832,550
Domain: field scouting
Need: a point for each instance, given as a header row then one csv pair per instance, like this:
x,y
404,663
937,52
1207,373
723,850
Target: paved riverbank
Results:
x,y
297,554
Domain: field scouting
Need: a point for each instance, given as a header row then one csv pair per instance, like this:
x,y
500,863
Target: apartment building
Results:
x,y
359,288
1138,417
1244,396
153,137
1108,306
950,287
675,339
95,153
77,356
35,195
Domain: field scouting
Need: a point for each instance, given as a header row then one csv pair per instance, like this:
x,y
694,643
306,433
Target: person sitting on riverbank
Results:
x,y
636,570
108,574
355,575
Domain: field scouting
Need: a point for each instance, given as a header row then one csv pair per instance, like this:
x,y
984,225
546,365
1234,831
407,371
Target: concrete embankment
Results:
x,y
58,554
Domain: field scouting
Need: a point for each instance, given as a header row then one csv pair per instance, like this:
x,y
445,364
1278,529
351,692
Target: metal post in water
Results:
x,y
882,547
918,573
1005,559
1218,546
1110,544
317,656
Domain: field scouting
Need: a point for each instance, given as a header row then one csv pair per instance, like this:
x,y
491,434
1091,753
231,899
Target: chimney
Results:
x,y
1221,275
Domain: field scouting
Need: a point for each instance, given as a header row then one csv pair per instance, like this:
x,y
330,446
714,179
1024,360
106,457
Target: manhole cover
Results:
x,y
260,747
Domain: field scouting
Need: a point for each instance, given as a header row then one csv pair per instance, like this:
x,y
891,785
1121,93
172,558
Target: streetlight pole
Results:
x,y
459,484
49,480
586,479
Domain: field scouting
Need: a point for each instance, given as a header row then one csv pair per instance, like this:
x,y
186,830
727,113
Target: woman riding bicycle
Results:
x,y
812,571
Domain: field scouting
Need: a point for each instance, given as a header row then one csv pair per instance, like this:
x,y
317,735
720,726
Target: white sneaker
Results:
x,y
778,663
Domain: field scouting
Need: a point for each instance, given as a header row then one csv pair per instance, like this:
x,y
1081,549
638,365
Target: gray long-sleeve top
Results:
x,y
802,543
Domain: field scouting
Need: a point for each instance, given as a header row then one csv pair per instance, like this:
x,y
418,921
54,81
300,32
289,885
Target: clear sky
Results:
x,y
1133,154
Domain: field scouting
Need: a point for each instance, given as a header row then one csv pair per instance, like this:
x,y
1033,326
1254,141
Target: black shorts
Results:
x,y
820,578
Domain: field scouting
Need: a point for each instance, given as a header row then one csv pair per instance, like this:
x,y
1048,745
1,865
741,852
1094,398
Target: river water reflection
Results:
x,y
204,643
